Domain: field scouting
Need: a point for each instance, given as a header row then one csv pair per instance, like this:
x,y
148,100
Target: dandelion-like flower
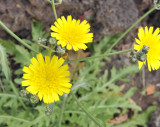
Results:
x,y
152,40
47,78
72,33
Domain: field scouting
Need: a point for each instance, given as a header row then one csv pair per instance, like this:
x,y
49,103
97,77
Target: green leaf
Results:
x,y
18,80
139,119
4,63
21,55
123,72
9,46
37,31
130,92
104,44
113,72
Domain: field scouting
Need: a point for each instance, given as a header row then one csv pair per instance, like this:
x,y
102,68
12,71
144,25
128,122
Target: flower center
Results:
x,y
47,79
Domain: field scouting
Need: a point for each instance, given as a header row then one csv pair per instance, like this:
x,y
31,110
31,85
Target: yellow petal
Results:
x,y
137,47
151,30
53,28
47,60
69,18
156,32
140,64
40,95
69,47
31,89
55,96
40,58
25,83
54,60
63,19
34,61
26,69
65,90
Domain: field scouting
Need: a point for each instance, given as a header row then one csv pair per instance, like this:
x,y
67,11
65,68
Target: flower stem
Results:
x,y
54,9
59,2
62,110
16,37
50,50
11,96
87,113
99,56
14,118
131,27
55,15
46,47
17,95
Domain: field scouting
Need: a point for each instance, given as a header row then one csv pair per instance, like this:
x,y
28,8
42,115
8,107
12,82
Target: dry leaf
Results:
x,y
118,120
150,89
72,55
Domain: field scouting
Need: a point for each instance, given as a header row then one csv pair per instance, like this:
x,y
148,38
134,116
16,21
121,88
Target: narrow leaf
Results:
x,y
4,62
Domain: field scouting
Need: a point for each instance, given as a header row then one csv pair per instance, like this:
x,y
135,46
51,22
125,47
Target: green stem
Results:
x,y
11,96
62,111
87,113
54,9
55,3
16,37
14,118
50,50
46,47
130,28
76,112
35,121
17,95
99,56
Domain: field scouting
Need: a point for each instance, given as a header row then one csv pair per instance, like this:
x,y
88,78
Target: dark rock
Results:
x,y
109,16
155,119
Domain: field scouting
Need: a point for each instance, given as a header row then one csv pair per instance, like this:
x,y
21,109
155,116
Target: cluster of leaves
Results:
x,y
96,91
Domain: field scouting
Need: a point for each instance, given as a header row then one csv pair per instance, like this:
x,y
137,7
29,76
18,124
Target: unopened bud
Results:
x,y
34,99
141,55
23,93
52,41
132,57
42,40
157,4
61,50
48,111
145,49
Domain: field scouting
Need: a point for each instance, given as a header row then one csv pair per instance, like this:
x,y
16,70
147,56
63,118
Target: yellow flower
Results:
x,y
47,78
152,40
71,33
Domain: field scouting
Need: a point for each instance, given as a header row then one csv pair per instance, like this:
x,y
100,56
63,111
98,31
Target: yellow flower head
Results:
x,y
47,78
152,40
71,33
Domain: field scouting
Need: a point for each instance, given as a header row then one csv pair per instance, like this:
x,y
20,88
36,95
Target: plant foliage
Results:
x,y
96,90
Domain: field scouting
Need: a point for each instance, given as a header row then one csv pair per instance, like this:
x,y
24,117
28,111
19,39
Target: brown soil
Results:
x,y
107,18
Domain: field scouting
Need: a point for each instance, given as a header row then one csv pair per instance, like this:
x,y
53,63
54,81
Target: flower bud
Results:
x,y
23,93
42,40
52,41
61,50
145,49
34,99
48,111
132,57
141,55
157,4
